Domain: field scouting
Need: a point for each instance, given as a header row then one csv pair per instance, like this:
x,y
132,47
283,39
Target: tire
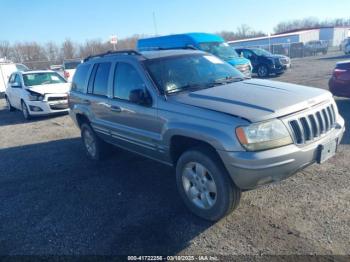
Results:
x,y
25,111
263,71
97,149
221,195
8,105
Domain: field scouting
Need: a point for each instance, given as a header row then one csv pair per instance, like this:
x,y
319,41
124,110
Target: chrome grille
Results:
x,y
57,98
309,127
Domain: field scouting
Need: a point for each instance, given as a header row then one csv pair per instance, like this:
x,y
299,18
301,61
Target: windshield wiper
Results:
x,y
188,87
226,80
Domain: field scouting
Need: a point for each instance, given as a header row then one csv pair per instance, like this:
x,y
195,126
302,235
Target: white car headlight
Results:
x,y
264,135
33,96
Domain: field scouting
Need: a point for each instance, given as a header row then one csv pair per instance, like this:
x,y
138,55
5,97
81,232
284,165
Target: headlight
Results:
x,y
264,135
33,96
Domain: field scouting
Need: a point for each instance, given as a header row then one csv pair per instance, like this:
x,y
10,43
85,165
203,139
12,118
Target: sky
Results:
x,y
80,20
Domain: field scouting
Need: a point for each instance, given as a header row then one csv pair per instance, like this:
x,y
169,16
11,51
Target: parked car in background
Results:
x,y
345,46
69,67
58,69
264,63
6,69
222,132
210,43
37,93
315,47
339,84
21,67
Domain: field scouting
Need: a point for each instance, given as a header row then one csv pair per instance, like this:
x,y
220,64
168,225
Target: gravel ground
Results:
x,y
54,201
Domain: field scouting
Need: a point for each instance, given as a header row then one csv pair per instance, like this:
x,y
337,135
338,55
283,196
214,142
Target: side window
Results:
x,y
80,77
126,79
100,86
12,78
18,79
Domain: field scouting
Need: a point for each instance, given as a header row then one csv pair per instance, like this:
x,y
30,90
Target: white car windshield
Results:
x,y
35,79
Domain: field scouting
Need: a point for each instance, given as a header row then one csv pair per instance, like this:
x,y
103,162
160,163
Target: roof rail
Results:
x,y
121,52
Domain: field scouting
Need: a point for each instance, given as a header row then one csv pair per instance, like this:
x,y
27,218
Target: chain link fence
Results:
x,y
297,49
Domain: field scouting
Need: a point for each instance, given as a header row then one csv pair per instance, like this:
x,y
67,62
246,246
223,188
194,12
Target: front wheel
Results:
x,y
25,111
205,186
263,71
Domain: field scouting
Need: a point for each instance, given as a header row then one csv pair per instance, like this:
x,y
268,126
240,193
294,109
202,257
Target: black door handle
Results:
x,y
116,109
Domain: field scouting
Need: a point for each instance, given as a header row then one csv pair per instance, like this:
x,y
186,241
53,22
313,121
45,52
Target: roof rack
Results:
x,y
121,52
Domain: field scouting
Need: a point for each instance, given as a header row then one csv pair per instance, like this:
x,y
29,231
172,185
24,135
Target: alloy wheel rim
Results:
x,y
90,144
199,185
262,71
24,110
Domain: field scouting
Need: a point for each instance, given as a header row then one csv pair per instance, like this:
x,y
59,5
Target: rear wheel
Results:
x,y
263,71
25,111
95,148
8,105
205,186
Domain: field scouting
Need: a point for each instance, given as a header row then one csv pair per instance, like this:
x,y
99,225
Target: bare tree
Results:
x,y
52,52
243,32
5,49
308,23
93,47
68,49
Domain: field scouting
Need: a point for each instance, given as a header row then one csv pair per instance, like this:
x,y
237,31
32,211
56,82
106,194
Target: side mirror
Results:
x,y
16,85
140,97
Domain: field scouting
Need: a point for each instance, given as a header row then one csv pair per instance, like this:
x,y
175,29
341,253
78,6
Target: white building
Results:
x,y
334,36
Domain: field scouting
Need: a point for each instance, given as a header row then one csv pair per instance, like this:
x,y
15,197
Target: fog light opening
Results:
x,y
35,109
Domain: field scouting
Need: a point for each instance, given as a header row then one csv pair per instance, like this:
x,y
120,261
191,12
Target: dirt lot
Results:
x,y
54,201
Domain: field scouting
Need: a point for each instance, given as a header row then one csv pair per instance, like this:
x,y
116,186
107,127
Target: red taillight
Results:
x,y
338,72
66,74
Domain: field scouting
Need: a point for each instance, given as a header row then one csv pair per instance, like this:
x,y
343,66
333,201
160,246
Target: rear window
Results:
x,y
71,65
80,78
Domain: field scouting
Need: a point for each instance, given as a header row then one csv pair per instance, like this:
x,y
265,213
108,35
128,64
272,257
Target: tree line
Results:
x,y
39,56
308,23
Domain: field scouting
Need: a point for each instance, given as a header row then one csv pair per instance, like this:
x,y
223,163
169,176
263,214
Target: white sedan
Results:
x,y
37,93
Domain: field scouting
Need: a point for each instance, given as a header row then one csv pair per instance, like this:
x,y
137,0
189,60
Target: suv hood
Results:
x,y
255,100
61,88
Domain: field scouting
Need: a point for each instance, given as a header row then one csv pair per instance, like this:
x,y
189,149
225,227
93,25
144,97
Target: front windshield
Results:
x,y
222,50
35,79
261,52
181,73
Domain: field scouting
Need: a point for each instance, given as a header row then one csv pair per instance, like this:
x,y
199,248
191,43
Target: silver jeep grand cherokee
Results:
x,y
223,133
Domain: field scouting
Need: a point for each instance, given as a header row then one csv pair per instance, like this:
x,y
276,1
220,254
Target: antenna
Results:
x,y
155,24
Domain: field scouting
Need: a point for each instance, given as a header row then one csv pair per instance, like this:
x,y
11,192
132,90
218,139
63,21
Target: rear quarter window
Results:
x,y
80,78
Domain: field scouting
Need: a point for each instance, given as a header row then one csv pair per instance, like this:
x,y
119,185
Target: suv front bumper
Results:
x,y
250,170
